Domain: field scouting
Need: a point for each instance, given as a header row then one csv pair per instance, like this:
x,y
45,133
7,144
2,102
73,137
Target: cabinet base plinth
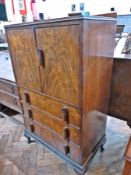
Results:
x,y
79,169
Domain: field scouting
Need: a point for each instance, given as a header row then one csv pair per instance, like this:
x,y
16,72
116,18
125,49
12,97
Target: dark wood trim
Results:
x,y
81,169
65,19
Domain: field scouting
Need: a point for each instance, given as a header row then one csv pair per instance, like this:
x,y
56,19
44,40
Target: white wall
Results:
x,y
56,8
9,13
29,12
61,8
103,6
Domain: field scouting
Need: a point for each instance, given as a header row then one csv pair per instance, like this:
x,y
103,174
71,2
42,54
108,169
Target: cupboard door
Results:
x,y
25,58
60,48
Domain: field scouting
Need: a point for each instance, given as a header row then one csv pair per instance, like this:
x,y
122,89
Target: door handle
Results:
x,y
66,134
32,127
27,98
41,57
65,115
30,115
67,150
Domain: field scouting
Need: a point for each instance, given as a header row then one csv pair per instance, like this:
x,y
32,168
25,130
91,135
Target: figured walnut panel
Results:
x,y
61,46
53,124
52,106
24,57
53,140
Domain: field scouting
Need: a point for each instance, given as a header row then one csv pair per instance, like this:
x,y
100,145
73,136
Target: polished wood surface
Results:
x,y
63,75
9,87
9,95
54,140
52,106
10,101
53,124
127,157
60,74
120,98
97,71
25,60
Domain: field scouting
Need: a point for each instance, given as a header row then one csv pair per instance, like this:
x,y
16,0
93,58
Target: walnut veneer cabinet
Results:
x,y
63,70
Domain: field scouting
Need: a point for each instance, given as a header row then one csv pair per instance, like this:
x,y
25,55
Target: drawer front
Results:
x,y
52,106
54,124
8,87
54,140
10,101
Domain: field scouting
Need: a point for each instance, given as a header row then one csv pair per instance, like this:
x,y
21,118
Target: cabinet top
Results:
x,y
65,19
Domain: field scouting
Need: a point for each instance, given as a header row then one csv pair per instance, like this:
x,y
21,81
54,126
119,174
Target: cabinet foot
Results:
x,y
30,140
1,107
1,116
78,173
102,148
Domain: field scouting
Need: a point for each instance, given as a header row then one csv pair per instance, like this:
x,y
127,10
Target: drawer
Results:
x,y
52,106
54,140
8,87
10,101
54,124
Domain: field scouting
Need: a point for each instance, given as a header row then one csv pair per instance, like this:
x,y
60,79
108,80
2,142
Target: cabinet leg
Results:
x,y
78,173
1,116
29,140
1,107
102,148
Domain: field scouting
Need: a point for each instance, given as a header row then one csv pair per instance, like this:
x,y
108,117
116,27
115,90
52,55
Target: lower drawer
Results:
x,y
46,103
53,140
9,87
56,125
10,101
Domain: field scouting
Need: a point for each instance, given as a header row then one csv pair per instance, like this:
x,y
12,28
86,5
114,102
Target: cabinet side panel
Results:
x,y
98,46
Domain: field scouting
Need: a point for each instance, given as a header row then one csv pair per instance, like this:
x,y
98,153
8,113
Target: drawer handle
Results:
x,y
65,115
41,57
67,150
66,133
12,89
15,101
30,114
32,128
27,98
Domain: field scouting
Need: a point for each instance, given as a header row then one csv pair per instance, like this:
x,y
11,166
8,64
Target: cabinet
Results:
x,y
63,70
120,98
9,95
8,89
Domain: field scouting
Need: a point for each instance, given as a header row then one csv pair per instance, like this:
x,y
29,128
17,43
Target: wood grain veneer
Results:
x,y
63,70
